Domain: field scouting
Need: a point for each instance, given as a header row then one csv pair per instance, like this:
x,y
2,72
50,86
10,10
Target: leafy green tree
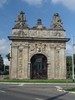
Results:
x,y
69,65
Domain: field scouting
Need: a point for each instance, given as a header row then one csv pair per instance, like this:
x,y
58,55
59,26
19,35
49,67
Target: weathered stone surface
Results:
x,y
28,42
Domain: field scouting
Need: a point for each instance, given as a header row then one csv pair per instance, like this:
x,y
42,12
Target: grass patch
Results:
x,y
71,89
38,81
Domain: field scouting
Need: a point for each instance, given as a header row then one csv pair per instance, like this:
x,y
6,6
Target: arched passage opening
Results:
x,y
38,68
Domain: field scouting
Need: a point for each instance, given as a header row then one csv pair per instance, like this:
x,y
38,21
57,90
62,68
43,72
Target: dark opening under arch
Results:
x,y
38,68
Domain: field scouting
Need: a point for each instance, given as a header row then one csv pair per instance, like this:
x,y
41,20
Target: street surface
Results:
x,y
34,92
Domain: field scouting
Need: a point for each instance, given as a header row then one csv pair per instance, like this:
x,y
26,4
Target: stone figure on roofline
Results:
x,y
21,21
56,22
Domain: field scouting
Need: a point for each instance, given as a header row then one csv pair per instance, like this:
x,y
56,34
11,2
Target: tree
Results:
x,y
69,65
8,56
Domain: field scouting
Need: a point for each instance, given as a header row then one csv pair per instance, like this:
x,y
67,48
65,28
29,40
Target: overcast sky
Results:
x,y
34,9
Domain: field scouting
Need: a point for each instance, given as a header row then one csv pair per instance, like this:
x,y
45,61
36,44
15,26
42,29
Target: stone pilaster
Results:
x,y
57,63
51,64
20,64
14,63
63,63
25,62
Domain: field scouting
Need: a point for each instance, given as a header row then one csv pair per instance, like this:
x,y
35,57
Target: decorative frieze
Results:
x,y
38,33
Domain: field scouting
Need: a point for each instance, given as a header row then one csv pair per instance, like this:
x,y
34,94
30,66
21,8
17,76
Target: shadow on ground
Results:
x,y
57,97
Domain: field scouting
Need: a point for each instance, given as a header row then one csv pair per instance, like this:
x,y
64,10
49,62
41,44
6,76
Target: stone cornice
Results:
x,y
38,39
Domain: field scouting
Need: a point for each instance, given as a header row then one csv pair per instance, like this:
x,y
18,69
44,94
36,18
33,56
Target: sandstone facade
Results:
x,y
27,42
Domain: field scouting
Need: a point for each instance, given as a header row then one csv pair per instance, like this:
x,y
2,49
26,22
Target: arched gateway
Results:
x,y
38,68
38,52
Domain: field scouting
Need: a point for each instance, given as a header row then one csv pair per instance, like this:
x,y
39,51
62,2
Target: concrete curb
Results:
x,y
37,83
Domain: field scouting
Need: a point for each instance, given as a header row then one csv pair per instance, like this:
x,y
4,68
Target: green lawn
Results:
x,y
39,81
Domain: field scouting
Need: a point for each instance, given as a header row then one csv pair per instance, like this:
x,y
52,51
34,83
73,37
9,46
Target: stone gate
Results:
x,y
38,52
